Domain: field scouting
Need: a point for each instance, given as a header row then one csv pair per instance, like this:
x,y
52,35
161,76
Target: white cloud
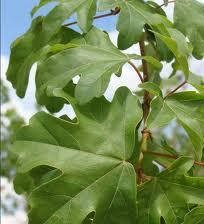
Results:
x,y
19,218
8,199
26,106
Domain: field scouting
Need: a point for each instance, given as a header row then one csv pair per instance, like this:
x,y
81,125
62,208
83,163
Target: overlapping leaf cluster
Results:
x,y
86,170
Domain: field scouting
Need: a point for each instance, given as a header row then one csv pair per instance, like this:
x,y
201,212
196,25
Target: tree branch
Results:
x,y
146,134
174,90
144,62
111,13
137,71
172,1
171,157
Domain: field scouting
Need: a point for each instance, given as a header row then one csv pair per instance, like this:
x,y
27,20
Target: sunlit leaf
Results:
x,y
30,48
91,156
133,16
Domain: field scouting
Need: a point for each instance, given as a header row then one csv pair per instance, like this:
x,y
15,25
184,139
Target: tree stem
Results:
x,y
111,13
171,157
147,98
146,134
144,62
174,90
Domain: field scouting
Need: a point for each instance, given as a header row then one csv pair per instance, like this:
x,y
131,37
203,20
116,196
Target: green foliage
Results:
x,y
134,15
96,59
181,106
191,26
31,47
196,215
168,194
103,166
96,172
176,43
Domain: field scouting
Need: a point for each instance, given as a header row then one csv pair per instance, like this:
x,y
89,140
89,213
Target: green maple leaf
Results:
x,y
95,59
192,26
30,48
133,16
195,216
85,10
91,158
168,194
187,108
175,41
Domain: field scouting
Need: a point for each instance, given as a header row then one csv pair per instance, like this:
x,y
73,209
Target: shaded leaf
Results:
x,y
192,26
181,106
195,216
176,43
169,193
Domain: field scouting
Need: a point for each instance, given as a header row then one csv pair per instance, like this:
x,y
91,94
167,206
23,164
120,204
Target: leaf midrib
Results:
x,y
70,201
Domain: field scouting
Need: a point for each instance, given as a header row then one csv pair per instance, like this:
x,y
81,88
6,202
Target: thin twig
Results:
x,y
171,157
162,155
111,13
174,90
199,163
164,4
137,71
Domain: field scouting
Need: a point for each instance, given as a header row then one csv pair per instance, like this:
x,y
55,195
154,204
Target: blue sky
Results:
x,y
16,19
